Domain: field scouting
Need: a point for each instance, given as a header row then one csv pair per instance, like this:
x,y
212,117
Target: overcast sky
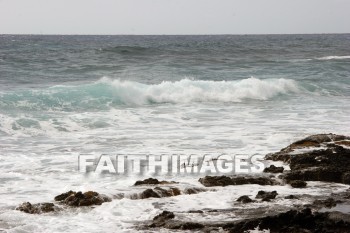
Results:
x,y
174,16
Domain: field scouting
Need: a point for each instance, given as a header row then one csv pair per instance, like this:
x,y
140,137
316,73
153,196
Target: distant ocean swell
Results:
x,y
107,93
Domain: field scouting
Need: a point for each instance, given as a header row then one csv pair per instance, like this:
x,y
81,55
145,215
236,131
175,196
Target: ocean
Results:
x,y
65,96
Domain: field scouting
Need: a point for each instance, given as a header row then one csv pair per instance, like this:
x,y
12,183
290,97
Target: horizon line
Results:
x,y
218,34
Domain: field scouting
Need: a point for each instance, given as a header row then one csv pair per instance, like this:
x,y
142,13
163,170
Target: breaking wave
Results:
x,y
107,93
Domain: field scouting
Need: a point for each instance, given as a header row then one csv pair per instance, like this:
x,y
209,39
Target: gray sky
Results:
x,y
174,16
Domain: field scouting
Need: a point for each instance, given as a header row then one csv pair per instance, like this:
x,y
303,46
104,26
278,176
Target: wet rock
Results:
x,y
166,220
266,196
328,203
63,196
291,197
193,190
244,199
210,181
196,211
343,143
274,169
39,208
153,181
291,221
191,226
298,183
161,219
159,192
331,163
89,198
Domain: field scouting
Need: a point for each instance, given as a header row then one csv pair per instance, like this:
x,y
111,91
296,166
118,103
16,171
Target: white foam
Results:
x,y
187,90
333,58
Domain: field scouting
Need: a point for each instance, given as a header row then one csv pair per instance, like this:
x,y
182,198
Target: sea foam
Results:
x,y
106,93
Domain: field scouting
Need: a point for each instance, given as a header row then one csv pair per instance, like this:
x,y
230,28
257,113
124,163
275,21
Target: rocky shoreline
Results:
x,y
320,158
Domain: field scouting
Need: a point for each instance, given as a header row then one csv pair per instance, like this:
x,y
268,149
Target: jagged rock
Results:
x,y
39,208
331,163
274,169
244,199
266,196
210,181
298,183
153,181
89,198
291,221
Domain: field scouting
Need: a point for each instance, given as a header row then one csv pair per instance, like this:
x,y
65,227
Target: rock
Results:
x,y
191,226
159,192
149,193
166,220
89,198
152,181
298,183
266,196
196,211
161,219
331,163
193,190
63,196
274,169
291,221
210,181
39,208
343,143
291,197
244,199
328,203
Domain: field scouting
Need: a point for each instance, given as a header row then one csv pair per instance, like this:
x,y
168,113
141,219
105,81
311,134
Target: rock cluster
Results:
x,y
39,208
69,198
89,198
328,162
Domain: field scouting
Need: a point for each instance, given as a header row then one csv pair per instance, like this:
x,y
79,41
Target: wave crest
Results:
x,y
107,93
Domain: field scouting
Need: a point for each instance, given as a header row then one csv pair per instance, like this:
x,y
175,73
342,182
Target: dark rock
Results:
x,y
191,226
291,197
331,164
160,192
149,193
210,181
274,169
298,183
166,220
193,190
152,181
63,196
196,211
328,203
266,196
291,221
39,208
82,199
244,199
